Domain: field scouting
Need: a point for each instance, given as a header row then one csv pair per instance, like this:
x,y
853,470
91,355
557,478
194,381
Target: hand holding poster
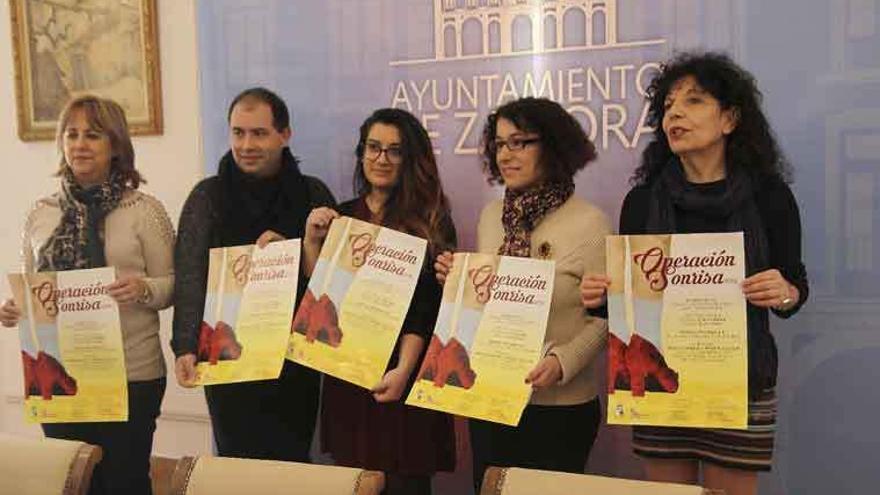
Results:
x,y
356,302
71,346
248,308
488,336
677,343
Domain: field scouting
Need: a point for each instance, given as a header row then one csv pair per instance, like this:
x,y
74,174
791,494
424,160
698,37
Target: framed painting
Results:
x,y
64,48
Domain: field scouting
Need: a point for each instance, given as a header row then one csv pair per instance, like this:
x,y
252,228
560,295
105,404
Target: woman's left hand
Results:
x,y
547,372
127,289
769,289
391,387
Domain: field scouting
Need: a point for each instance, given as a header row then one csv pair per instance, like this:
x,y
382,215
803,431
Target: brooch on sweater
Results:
x,y
544,250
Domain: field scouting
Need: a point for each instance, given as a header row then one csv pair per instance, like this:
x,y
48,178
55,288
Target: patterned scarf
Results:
x,y
523,210
76,243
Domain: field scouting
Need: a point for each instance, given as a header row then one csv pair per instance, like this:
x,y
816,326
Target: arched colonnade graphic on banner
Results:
x,y
499,27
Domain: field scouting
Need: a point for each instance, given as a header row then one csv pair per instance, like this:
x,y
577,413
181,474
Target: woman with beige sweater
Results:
x,y
99,218
534,148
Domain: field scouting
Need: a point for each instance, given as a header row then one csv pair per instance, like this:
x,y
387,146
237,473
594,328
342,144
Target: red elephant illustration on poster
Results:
x,y
447,364
218,343
639,367
46,376
317,320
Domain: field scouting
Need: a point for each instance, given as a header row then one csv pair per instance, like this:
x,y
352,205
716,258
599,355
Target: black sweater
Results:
x,y
197,232
782,224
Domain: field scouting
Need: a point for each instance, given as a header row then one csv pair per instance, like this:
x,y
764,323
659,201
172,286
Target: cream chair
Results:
x,y
224,475
517,481
46,466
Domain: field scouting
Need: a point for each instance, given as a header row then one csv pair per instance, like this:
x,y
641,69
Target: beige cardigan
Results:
x,y
138,240
575,235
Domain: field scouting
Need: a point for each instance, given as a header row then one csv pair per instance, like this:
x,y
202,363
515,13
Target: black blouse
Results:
x,y
781,219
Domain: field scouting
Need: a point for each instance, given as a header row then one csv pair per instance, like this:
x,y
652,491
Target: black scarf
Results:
x,y
250,205
76,242
736,208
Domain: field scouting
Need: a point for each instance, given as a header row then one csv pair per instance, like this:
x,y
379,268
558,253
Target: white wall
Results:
x,y
172,163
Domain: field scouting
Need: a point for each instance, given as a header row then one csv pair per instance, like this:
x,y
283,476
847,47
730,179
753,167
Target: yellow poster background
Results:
x,y
698,329
351,315
244,337
71,347
503,340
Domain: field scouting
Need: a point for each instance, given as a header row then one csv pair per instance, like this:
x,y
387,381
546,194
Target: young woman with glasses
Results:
x,y
534,148
397,186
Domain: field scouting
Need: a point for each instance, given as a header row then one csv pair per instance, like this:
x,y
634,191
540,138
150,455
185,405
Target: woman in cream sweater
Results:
x,y
99,218
534,148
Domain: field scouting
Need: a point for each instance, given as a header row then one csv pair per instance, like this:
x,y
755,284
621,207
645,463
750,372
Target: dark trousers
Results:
x,y
553,438
397,484
125,467
267,419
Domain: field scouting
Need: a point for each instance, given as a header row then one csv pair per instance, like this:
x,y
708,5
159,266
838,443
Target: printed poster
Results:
x,y
71,346
352,312
248,308
489,335
677,344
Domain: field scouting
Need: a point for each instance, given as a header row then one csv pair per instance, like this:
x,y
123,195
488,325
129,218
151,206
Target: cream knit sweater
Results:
x,y
573,236
138,240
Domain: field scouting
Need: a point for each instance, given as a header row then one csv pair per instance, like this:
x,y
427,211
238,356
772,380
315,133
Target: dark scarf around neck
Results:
x,y
736,208
250,205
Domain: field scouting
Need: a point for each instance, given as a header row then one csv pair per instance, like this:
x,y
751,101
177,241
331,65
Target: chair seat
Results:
x,y
517,481
223,475
38,466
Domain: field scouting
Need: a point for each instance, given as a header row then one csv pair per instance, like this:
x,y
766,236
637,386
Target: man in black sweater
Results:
x,y
258,196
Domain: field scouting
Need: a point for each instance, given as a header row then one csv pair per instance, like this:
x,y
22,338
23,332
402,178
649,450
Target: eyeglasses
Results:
x,y
372,152
512,144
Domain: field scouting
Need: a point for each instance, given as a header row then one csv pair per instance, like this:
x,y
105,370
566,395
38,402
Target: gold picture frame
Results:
x,y
62,49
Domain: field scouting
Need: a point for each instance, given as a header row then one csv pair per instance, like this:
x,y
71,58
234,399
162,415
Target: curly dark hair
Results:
x,y
417,204
751,146
565,147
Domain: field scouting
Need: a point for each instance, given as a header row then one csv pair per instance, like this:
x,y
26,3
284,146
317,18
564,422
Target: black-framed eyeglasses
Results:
x,y
513,144
372,152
